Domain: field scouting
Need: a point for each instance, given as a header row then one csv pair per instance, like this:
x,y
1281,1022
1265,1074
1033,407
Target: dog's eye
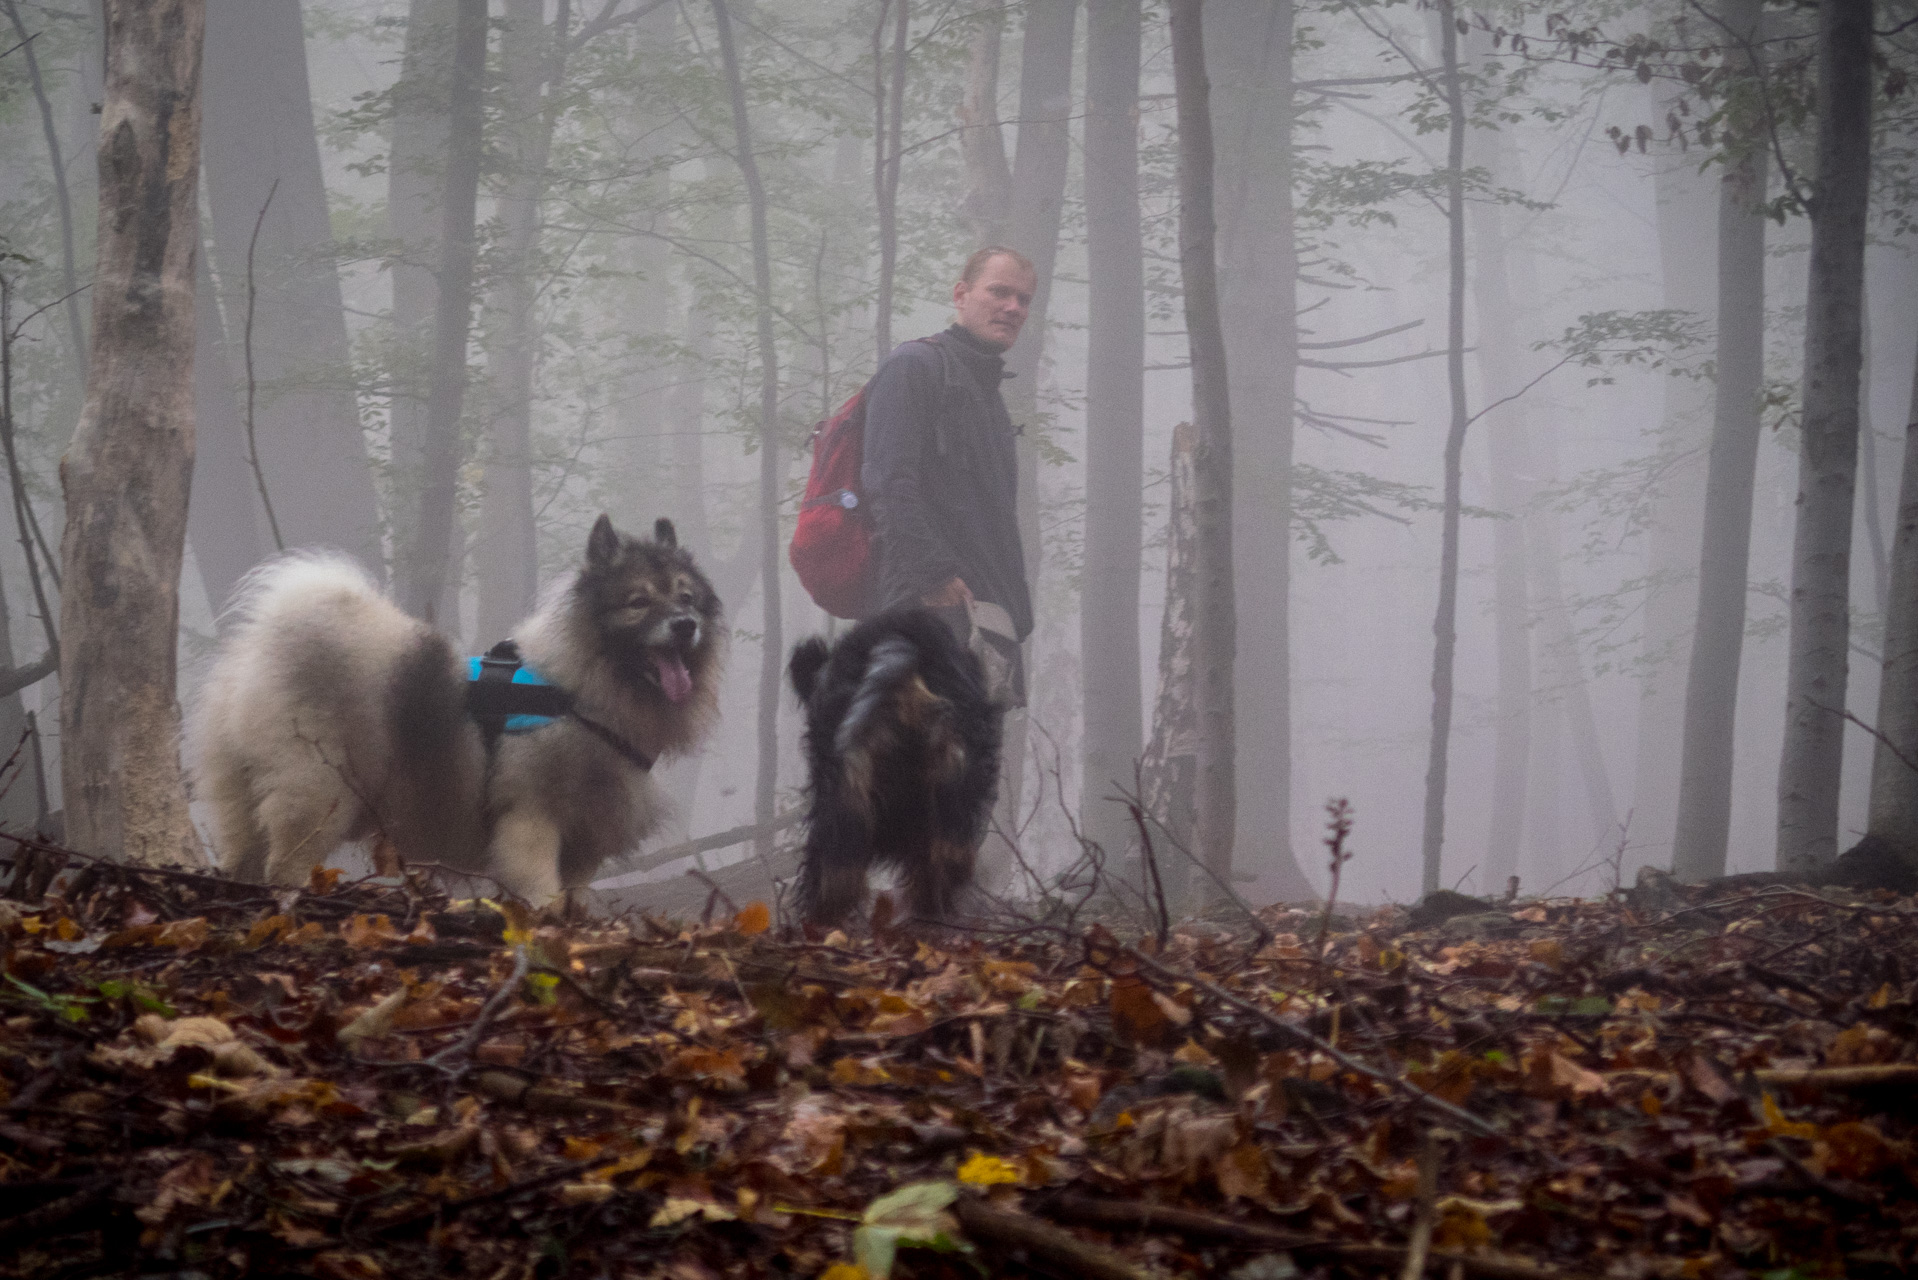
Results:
x,y
686,598
639,601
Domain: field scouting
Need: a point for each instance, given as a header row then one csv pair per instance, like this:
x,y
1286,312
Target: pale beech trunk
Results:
x,y
434,581
1894,780
1214,619
889,105
1249,63
262,154
127,473
505,551
983,144
1115,423
1168,776
1445,624
771,471
1703,824
1809,768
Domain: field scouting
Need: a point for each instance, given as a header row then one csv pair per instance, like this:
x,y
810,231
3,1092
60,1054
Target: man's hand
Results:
x,y
952,593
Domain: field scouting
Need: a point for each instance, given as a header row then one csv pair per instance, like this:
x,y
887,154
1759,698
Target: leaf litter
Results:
x,y
367,1080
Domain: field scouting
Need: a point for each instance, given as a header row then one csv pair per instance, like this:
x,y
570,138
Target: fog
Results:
x,y
1583,472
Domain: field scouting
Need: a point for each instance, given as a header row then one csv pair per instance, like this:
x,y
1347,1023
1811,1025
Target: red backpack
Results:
x,y
832,546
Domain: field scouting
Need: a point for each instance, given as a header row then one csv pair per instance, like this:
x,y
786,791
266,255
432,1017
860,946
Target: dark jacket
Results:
x,y
942,475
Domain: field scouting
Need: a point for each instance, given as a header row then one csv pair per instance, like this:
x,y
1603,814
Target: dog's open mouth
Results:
x,y
675,681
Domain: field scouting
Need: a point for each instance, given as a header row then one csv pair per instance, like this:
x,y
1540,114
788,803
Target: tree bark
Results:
x,y
1808,772
415,179
63,201
888,135
1115,423
1508,455
983,144
505,552
771,471
260,132
127,473
1894,781
1711,687
1169,774
1687,249
435,572
1445,624
1249,52
1214,619
223,521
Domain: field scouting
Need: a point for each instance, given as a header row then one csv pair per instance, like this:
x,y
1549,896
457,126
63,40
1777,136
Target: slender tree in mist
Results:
x,y
416,160
1808,771
62,199
505,552
127,473
1249,52
1445,624
1893,816
1214,620
771,471
888,135
430,557
1115,420
266,200
981,143
223,522
1711,687
1169,772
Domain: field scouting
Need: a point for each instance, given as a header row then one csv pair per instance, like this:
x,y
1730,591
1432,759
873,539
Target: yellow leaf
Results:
x,y
1781,1127
755,918
986,1171
845,1271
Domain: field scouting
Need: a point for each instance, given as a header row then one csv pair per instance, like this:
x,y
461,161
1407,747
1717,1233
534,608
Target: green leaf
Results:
x,y
914,1215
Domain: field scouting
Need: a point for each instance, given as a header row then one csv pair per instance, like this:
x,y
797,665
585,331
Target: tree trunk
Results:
x,y
1508,449
506,552
1808,771
223,522
1115,422
415,181
1249,62
1711,687
1169,774
1215,623
1894,780
771,473
63,202
988,177
889,104
1687,249
1445,624
435,572
127,473
259,133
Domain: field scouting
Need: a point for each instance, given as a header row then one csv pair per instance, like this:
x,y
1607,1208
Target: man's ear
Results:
x,y
602,545
664,533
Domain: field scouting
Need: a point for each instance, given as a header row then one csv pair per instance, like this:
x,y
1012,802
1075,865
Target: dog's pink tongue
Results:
x,y
674,680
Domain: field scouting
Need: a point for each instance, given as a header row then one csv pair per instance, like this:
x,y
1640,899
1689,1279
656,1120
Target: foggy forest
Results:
x,y
1455,811
1516,307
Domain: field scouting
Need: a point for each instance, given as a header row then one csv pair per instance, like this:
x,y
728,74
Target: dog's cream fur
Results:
x,y
330,715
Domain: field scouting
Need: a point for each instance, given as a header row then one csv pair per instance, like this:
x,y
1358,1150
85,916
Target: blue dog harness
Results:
x,y
504,696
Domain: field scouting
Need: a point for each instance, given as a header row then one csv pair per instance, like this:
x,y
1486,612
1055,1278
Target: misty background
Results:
x,y
611,365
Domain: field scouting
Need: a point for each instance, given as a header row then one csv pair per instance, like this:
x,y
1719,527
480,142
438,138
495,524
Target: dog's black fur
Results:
x,y
902,745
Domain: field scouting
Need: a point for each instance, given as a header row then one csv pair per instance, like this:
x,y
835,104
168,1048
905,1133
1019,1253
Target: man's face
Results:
x,y
993,307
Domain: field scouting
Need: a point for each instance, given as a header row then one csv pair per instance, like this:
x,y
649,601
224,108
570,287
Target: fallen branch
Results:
x,y
1041,1240
1859,1077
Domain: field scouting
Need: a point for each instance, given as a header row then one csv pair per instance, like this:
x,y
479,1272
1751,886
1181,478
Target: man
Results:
x,y
941,470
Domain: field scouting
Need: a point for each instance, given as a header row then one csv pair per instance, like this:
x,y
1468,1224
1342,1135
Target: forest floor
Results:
x,y
206,1079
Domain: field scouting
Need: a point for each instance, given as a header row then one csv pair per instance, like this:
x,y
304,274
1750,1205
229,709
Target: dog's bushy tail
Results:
x,y
892,662
808,660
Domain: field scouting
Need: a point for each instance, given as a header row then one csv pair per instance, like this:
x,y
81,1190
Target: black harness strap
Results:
x,y
494,697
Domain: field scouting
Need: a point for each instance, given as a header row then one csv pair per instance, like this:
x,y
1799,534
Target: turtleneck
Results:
x,y
977,350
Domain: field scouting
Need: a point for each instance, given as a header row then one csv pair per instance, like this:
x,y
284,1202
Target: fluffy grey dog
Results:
x,y
330,715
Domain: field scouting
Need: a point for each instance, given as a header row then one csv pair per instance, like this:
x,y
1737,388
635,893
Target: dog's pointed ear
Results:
x,y
602,545
809,658
664,533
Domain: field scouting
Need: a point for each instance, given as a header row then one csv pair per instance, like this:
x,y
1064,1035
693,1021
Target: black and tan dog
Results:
x,y
902,745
